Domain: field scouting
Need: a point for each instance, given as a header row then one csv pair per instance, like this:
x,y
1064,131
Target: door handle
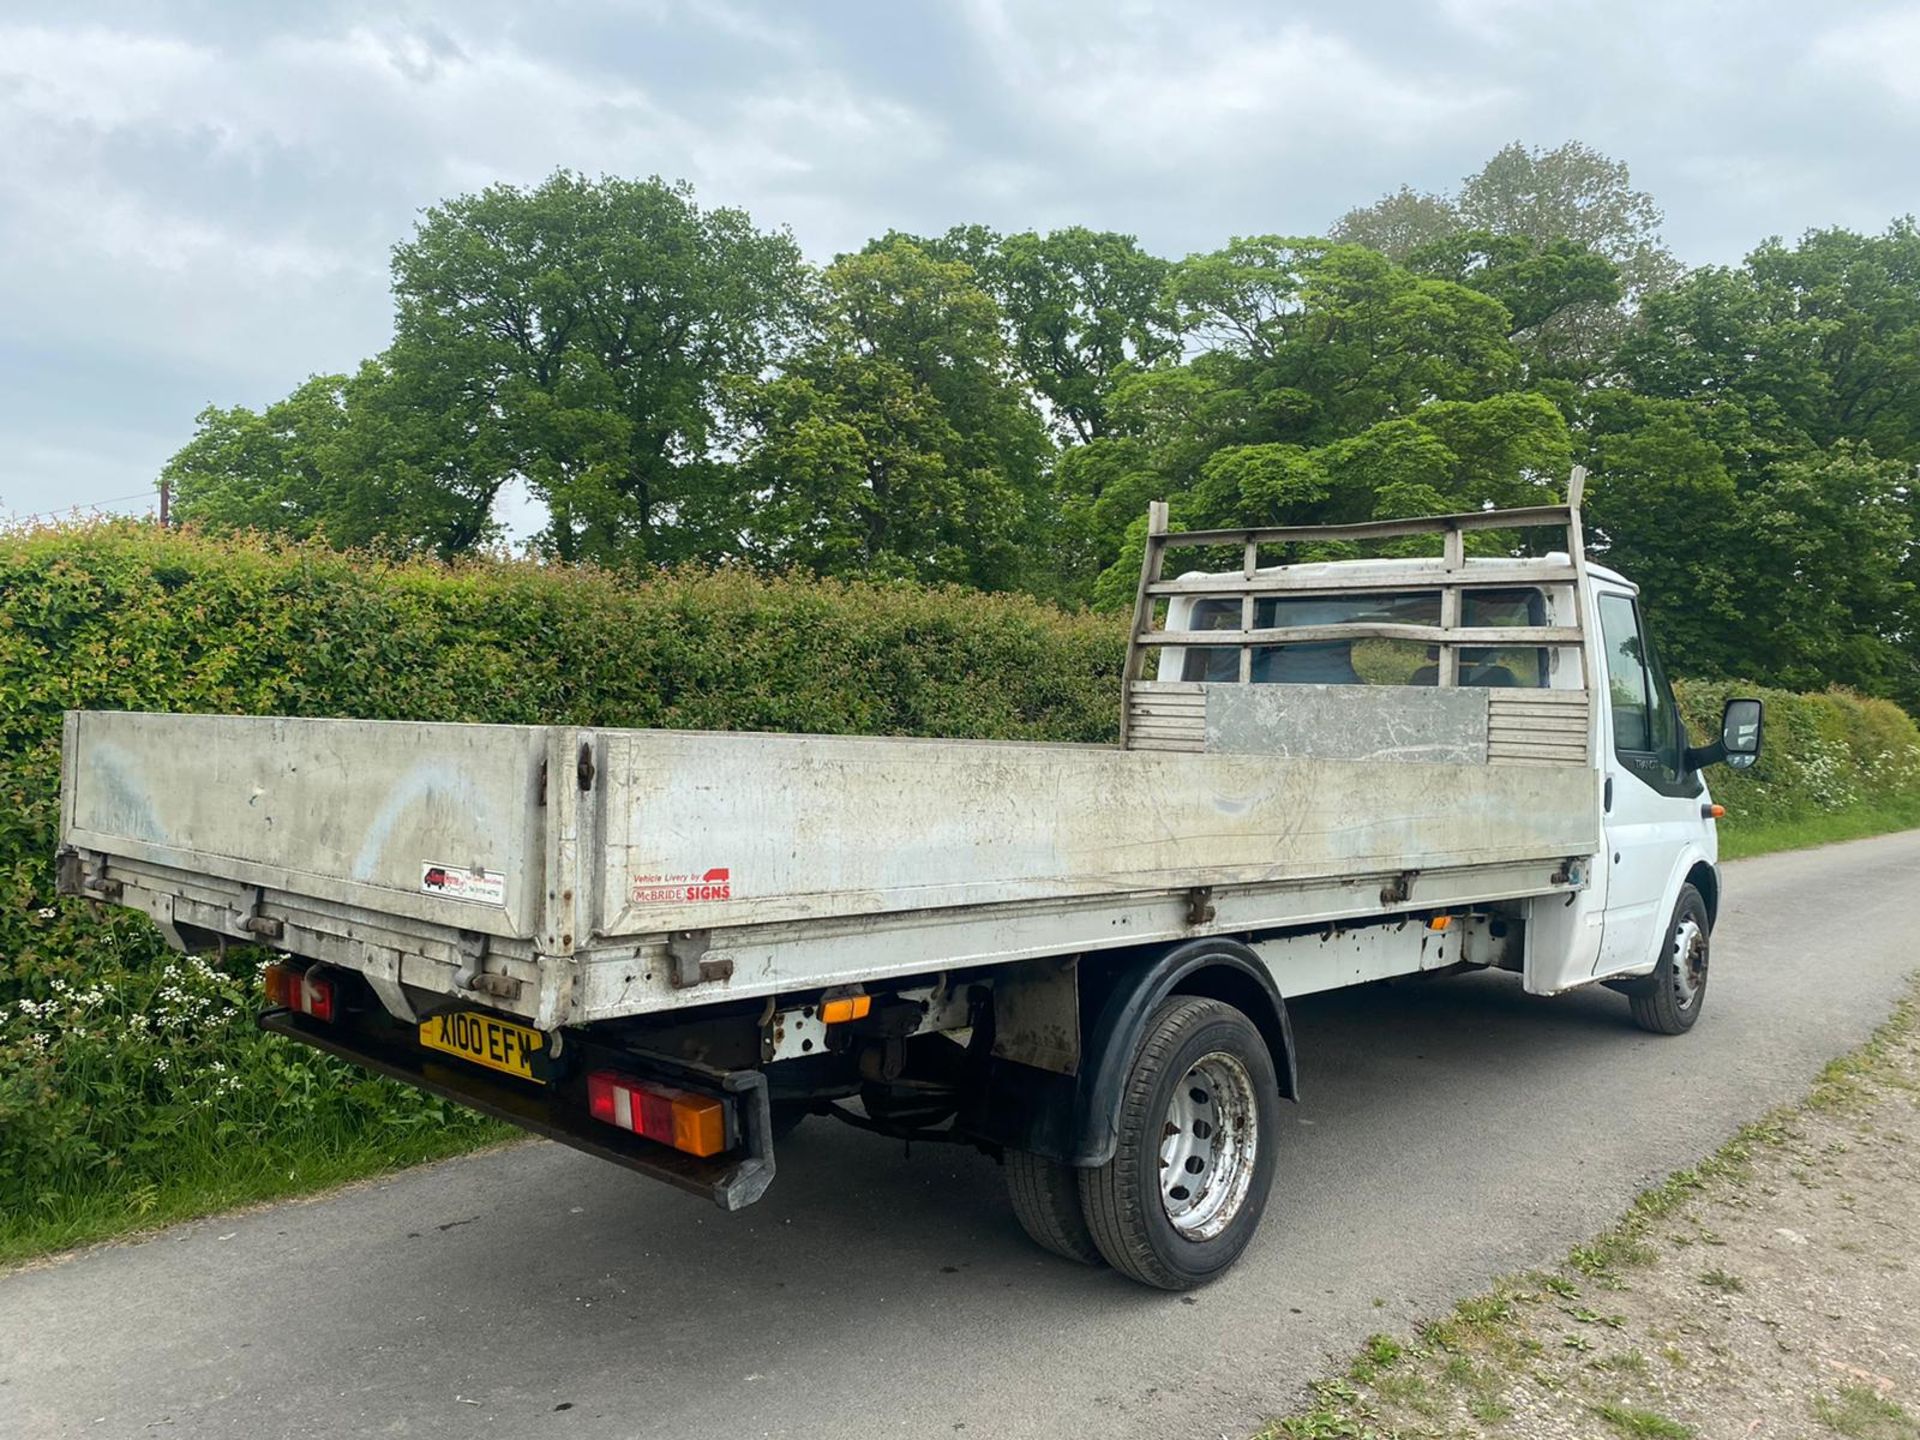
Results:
x,y
1606,799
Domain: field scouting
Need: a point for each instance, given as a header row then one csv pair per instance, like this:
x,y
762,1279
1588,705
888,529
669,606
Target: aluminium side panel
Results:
x,y
438,823
702,830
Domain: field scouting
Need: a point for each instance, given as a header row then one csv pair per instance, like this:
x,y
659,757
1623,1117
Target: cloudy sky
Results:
x,y
197,198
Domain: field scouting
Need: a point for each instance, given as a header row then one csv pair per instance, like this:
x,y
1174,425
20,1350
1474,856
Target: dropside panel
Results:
x,y
440,823
705,830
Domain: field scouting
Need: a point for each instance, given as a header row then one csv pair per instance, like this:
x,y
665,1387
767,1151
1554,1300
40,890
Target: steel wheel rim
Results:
x,y
1689,961
1209,1142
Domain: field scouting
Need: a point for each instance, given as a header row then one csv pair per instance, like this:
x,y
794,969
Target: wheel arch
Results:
x,y
1704,876
1214,968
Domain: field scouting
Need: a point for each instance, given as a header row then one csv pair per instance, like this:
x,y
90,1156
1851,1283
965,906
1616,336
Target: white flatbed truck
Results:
x,y
667,948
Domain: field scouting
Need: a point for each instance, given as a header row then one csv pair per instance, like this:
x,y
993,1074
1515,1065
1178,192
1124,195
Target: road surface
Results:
x,y
1450,1132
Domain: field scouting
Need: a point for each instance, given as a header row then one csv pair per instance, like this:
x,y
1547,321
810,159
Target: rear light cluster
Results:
x,y
696,1124
295,990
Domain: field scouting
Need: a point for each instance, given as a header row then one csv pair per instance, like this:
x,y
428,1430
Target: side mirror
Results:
x,y
1741,724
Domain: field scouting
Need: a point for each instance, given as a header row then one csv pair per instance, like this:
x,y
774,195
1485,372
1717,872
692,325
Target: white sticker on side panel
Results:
x,y
457,882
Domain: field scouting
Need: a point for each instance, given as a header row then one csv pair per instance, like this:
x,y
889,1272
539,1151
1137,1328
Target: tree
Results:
x,y
1341,387
1831,599
1665,508
1572,192
344,457
588,330
272,470
1081,308
1546,286
1571,197
897,441
1819,341
1396,225
1332,338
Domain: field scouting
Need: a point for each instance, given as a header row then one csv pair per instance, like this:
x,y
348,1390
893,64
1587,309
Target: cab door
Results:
x,y
1652,806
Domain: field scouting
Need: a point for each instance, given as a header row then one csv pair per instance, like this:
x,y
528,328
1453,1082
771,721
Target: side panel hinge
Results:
x,y
1399,890
687,962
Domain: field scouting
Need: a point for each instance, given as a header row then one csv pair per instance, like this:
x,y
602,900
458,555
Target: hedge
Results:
x,y
1825,755
132,1081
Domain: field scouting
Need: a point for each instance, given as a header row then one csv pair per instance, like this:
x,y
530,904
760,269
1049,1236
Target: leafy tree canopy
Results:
x,y
896,441
587,330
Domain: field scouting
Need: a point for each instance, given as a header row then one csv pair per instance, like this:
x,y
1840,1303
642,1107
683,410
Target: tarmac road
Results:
x,y
1451,1132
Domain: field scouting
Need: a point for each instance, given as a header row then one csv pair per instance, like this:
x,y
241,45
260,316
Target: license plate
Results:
x,y
497,1044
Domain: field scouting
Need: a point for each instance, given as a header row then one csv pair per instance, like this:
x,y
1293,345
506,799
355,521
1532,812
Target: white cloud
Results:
x,y
1175,84
220,210
1882,49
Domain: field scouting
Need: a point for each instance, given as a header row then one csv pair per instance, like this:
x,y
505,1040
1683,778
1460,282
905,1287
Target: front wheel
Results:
x,y
1194,1160
1670,1000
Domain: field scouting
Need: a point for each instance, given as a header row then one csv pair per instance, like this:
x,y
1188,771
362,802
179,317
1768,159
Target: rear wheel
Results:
x,y
1046,1201
1189,1177
1670,1000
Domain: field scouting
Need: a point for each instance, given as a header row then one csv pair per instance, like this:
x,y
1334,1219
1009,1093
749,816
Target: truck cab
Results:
x,y
1571,675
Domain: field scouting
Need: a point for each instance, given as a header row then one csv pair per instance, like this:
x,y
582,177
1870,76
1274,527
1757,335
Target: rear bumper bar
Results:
x,y
731,1181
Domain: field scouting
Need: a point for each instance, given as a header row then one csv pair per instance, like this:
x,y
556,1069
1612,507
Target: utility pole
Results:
x,y
166,496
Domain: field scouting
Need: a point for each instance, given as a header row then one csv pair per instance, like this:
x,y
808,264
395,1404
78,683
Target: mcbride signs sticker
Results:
x,y
716,884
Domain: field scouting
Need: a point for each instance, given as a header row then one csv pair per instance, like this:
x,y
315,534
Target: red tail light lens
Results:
x,y
298,991
694,1123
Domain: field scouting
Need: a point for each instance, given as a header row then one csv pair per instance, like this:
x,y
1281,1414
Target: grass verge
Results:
x,y
1764,1291
1741,840
228,1180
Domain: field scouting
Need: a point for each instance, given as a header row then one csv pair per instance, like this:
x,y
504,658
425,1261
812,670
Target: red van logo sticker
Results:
x,y
459,882
716,884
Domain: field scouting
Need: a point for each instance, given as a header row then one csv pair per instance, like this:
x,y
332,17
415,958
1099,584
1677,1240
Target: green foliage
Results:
x,y
591,327
1861,1412
1082,307
896,443
996,410
1820,340
111,1049
579,335
144,1083
358,460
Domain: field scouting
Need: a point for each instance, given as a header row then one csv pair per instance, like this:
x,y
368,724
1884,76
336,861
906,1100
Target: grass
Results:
x,y
1862,1413
1741,840
228,1180
1642,1424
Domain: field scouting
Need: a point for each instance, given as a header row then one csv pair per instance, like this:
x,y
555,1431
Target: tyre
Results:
x,y
1046,1201
1670,1001
1194,1160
